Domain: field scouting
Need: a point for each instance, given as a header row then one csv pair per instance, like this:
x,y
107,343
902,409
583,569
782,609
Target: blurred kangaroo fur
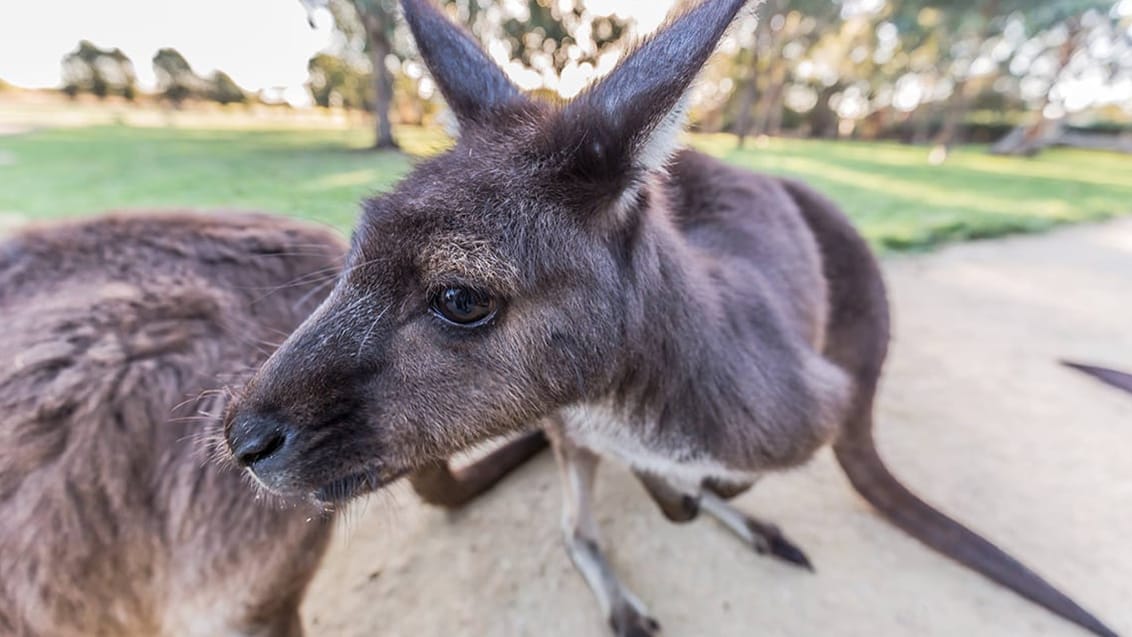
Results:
x,y
113,518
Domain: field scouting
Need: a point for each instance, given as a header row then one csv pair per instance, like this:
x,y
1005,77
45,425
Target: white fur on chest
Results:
x,y
598,428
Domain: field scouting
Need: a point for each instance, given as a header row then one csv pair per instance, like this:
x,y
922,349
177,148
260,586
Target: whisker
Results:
x,y
316,277
372,326
313,291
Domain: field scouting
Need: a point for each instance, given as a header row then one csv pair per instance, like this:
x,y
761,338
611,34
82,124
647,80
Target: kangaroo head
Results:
x,y
495,284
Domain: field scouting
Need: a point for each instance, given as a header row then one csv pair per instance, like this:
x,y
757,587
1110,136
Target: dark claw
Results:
x,y
627,622
769,539
781,548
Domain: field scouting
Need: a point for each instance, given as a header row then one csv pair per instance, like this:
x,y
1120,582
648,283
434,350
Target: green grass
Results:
x,y
894,195
314,174
900,201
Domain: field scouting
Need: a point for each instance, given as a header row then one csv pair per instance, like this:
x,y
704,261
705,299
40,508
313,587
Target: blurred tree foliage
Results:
x,y
545,39
335,82
100,72
223,89
176,80
109,72
939,71
548,36
923,70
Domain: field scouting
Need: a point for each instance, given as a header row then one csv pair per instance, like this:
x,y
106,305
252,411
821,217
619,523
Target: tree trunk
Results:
x,y
823,120
748,92
953,114
960,102
1030,140
774,122
383,95
922,123
770,106
750,89
379,49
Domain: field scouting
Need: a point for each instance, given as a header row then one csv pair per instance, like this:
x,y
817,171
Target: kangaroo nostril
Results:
x,y
255,439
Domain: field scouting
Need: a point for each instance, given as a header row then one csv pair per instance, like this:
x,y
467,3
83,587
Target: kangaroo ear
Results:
x,y
471,83
636,113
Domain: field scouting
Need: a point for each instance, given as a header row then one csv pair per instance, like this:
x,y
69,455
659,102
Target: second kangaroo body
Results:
x,y
567,265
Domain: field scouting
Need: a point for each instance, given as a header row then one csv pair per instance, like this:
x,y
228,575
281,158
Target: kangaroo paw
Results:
x,y
629,619
769,540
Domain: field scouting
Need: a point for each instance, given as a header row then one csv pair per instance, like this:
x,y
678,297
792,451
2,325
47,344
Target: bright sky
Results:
x,y
262,44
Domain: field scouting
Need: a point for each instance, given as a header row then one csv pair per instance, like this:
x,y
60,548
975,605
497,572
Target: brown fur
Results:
x,y
703,323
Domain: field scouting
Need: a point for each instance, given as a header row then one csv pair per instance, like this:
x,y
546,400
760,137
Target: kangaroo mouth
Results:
x,y
355,485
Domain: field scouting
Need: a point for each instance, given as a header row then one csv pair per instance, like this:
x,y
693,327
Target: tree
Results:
x,y
938,70
549,37
175,78
1064,30
335,82
101,72
223,89
367,25
555,45
377,17
950,35
765,74
544,38
967,40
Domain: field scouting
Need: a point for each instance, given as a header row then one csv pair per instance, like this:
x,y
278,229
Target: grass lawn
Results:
x,y
896,198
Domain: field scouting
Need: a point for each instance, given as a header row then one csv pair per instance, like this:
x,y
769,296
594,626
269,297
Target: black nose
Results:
x,y
254,438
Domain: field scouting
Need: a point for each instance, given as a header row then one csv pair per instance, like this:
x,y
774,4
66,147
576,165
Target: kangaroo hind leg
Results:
x,y
765,537
680,504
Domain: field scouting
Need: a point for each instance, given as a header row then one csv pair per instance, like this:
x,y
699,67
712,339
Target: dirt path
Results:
x,y
974,414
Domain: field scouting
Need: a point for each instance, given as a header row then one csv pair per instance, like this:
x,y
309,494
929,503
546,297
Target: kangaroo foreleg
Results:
x,y
678,505
441,485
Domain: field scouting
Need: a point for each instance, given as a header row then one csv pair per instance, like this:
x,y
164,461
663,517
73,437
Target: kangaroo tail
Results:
x,y
858,456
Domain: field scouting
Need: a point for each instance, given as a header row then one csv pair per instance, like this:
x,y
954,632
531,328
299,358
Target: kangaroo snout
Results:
x,y
325,461
259,442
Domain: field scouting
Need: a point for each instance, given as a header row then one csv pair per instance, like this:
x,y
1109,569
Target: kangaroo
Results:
x,y
112,521
567,265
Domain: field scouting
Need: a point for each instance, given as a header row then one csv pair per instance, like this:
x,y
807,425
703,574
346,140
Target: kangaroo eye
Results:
x,y
463,306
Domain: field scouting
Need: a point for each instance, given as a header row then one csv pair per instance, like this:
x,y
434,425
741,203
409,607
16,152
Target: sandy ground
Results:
x,y
974,414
